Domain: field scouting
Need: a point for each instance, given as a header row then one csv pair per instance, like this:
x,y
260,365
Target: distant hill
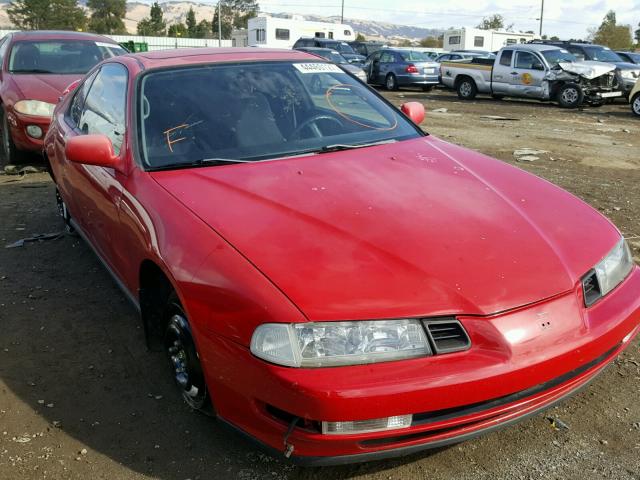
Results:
x,y
176,11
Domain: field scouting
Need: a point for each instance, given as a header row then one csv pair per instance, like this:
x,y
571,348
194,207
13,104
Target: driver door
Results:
x,y
96,191
527,75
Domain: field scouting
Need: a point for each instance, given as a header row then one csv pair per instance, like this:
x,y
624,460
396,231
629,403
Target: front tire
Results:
x,y
635,104
391,83
467,89
183,357
427,88
63,211
9,153
570,95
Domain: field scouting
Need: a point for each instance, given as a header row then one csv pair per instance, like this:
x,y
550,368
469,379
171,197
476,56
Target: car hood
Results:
x,y
43,87
587,69
349,67
416,228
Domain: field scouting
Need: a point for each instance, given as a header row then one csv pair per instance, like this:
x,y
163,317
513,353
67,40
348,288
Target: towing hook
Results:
x,y
288,447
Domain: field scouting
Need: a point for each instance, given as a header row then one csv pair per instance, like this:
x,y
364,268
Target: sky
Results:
x,y
564,18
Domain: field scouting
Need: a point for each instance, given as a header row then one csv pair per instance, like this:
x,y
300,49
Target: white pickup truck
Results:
x,y
539,71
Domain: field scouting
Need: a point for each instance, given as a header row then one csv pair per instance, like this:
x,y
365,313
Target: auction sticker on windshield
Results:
x,y
317,68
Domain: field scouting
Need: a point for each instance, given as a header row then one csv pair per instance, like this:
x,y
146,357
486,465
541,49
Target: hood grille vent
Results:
x,y
447,336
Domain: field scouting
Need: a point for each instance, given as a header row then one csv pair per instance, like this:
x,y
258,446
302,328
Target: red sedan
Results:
x,y
36,67
325,277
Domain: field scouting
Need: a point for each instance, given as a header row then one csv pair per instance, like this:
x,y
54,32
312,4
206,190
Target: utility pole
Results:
x,y
342,13
220,23
541,14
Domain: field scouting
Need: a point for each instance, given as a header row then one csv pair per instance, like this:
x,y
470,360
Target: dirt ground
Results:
x,y
81,398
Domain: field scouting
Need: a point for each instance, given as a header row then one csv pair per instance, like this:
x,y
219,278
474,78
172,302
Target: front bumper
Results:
x,y
520,363
18,124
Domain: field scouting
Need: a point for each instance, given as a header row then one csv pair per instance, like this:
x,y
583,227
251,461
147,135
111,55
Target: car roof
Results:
x,y
535,47
190,56
316,49
60,35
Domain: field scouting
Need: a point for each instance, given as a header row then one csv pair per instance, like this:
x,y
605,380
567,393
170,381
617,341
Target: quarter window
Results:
x,y
105,105
505,58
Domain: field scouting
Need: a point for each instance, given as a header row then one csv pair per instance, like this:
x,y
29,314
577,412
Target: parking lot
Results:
x,y
81,398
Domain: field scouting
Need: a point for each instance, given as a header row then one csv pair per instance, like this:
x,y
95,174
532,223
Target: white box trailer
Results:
x,y
476,39
276,32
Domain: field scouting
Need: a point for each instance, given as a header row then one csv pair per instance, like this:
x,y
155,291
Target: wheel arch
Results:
x,y
154,289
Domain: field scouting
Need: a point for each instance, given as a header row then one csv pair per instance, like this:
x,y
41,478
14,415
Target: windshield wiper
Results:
x,y
31,70
346,146
197,163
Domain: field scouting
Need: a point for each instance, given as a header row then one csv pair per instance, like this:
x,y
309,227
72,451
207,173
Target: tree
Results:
x,y
177,30
107,15
203,29
405,42
47,15
191,22
637,35
154,25
494,22
235,14
360,38
617,37
431,42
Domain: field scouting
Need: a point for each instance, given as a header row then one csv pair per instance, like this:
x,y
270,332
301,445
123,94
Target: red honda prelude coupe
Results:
x,y
35,68
325,277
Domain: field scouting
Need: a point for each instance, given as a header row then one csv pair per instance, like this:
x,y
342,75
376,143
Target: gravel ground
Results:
x,y
81,398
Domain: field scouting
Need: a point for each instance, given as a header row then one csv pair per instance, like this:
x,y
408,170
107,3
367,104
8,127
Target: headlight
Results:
x,y
629,73
608,273
339,343
34,107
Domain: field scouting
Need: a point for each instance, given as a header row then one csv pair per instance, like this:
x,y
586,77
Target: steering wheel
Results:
x,y
312,124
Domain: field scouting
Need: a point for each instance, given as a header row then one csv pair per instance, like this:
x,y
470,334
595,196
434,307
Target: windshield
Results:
x,y
415,56
554,57
335,57
255,111
635,57
60,56
343,47
601,54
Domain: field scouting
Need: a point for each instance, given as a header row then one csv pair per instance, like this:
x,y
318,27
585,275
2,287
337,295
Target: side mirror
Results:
x,y
413,110
95,149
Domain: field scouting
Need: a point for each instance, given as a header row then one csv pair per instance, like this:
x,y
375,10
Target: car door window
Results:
x,y
386,57
75,110
526,61
105,105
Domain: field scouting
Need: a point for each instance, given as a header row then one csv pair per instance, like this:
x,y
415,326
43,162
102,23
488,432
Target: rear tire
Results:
x,y
570,95
391,83
183,357
467,89
635,104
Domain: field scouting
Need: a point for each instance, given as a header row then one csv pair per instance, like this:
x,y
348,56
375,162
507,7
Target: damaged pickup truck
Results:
x,y
542,72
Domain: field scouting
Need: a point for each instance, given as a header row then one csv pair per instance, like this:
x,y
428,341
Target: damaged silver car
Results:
x,y
542,72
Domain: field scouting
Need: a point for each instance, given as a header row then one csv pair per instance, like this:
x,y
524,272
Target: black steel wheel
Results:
x,y
184,360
